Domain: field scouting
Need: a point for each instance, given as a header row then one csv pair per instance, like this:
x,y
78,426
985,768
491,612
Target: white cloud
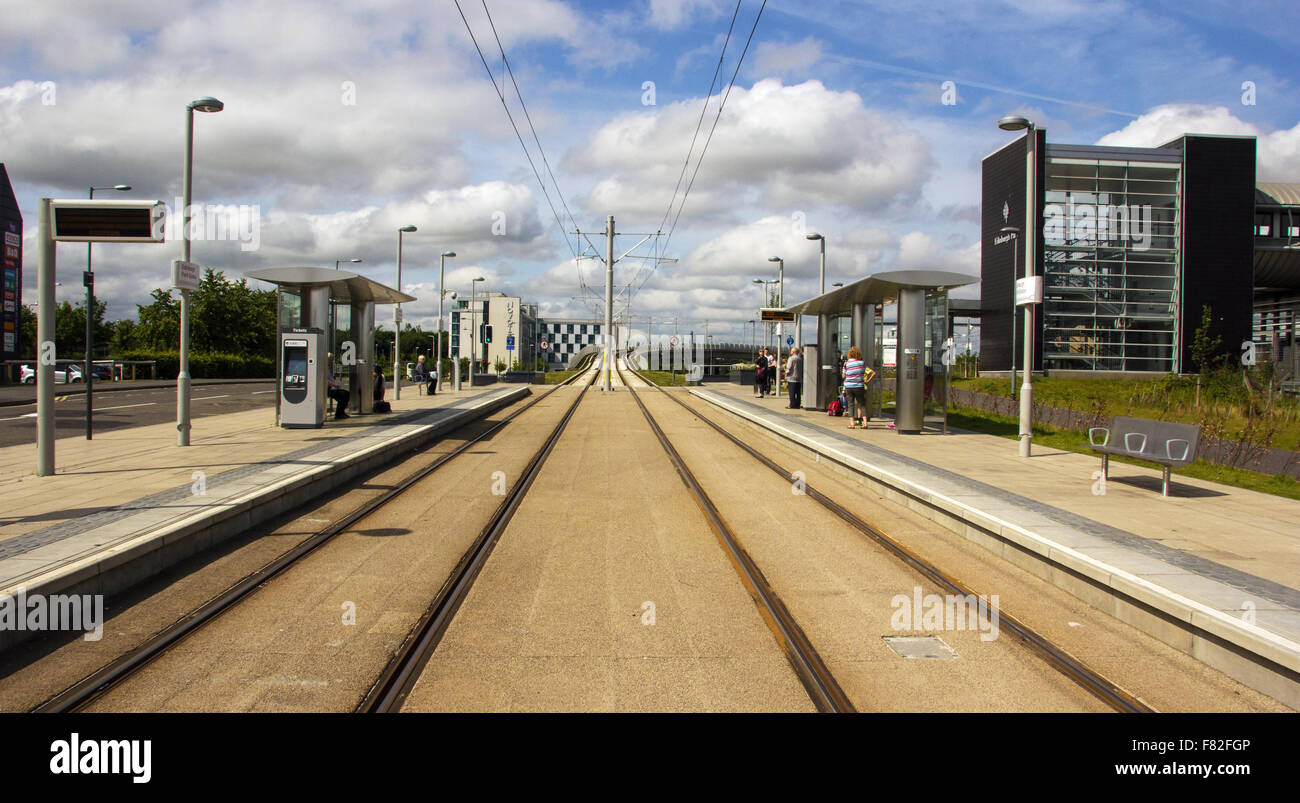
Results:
x,y
1278,152
800,146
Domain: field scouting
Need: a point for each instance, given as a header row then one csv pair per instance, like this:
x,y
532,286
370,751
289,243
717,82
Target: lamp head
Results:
x,y
122,187
774,259
209,105
355,259
408,229
449,253
1014,122
813,237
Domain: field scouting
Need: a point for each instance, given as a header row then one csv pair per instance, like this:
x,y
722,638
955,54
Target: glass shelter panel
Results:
x,y
936,373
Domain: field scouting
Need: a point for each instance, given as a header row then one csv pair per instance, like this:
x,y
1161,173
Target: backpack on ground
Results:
x,y
383,407
836,407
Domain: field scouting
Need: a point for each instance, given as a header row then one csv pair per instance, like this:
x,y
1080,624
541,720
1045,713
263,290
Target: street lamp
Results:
x,y
1015,123
337,261
89,281
473,326
397,317
822,242
766,297
1014,233
207,106
838,284
437,355
780,302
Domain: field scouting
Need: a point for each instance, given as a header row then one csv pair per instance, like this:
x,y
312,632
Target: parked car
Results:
x,y
62,374
102,371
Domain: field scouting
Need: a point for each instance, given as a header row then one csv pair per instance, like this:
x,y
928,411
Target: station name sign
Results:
x,y
186,275
775,314
84,221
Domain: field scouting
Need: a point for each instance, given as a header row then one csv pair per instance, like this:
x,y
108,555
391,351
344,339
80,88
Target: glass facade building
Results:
x,y
1131,244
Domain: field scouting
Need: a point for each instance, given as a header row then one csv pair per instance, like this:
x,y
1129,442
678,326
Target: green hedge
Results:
x,y
205,365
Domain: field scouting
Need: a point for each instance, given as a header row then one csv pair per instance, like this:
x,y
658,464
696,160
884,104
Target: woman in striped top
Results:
x,y
856,377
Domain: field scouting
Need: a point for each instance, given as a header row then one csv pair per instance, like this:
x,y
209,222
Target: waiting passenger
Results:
x,y
335,390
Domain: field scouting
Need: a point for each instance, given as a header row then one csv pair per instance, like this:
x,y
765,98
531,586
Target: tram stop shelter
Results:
x,y
333,301
921,383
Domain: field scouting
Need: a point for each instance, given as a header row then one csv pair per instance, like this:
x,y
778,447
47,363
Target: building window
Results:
x,y
1263,223
1110,259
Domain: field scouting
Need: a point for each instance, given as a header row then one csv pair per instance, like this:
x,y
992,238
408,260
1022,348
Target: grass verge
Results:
x,y
1073,441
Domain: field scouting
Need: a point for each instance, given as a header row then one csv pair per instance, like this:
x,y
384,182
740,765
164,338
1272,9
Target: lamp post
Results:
x,y
209,106
473,326
89,281
1014,233
780,302
437,354
397,317
333,318
1014,123
822,242
766,297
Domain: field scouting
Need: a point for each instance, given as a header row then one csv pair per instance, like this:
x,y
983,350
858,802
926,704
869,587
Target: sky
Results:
x,y
343,122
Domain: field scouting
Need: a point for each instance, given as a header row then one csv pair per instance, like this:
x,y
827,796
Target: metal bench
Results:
x,y
1168,444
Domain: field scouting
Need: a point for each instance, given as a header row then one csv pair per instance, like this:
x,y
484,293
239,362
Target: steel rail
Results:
x,y
403,671
95,685
808,665
1096,684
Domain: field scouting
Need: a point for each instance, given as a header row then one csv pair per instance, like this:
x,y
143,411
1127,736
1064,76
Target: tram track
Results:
x,y
1099,686
822,687
86,691
403,671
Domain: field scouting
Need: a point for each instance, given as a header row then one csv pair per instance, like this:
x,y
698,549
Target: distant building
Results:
x,y
11,281
567,336
513,330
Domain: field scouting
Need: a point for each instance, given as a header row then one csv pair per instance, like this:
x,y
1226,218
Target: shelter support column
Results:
x,y
361,379
910,394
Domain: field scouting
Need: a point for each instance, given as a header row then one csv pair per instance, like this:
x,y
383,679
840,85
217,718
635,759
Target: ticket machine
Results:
x,y
303,375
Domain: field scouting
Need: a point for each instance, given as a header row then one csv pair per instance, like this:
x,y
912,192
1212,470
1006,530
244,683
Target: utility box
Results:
x,y
820,382
302,378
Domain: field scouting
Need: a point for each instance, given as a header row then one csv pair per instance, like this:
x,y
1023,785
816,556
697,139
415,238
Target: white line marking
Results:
x,y
124,406
205,398
19,417
262,391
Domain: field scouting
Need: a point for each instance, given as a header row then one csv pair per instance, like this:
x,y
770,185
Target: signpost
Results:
x,y
76,221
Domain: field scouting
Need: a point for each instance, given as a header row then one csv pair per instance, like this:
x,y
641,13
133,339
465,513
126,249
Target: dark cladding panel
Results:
x,y
1218,238
1003,190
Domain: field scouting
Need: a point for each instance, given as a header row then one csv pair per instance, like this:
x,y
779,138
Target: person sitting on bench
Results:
x,y
381,406
335,390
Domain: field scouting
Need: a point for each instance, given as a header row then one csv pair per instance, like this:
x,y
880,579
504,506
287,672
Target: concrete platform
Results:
x,y
1211,570
131,502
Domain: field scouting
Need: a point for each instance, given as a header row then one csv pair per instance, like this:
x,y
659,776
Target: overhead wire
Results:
x,y
518,135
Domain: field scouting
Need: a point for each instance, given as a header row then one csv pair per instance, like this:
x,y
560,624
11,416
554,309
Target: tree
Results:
x,y
1206,350
500,365
160,323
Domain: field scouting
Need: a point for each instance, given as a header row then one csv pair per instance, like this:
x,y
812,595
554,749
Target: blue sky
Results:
x,y
345,121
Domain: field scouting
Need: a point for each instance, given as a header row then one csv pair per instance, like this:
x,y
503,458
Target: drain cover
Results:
x,y
931,647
